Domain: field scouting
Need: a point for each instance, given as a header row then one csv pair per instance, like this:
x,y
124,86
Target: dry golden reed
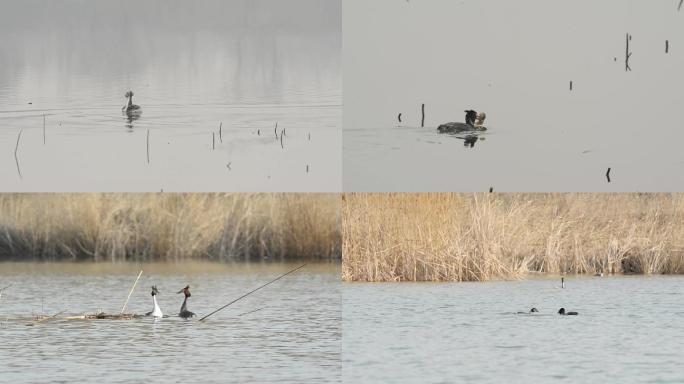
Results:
x,y
169,227
478,237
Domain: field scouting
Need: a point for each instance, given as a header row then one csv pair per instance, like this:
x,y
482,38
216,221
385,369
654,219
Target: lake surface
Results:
x,y
628,330
228,68
293,336
514,61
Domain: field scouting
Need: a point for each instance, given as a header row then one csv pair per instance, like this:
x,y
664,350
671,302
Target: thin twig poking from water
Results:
x,y
247,313
399,117
275,130
16,158
221,132
281,139
667,46
131,292
422,120
43,129
148,146
628,54
608,175
213,140
571,85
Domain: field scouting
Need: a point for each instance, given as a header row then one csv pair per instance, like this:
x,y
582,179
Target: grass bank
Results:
x,y
169,227
478,237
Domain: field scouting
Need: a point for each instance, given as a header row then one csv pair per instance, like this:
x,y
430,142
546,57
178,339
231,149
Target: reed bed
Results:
x,y
479,237
169,227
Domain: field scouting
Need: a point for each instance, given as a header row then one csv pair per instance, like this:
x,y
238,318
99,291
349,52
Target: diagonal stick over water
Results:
x,y
131,292
252,291
16,148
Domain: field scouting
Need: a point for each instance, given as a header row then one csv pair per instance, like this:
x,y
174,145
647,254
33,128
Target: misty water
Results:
x,y
514,61
289,331
228,68
628,330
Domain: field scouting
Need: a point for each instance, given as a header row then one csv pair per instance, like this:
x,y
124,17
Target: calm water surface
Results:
x,y
294,336
194,67
514,61
628,330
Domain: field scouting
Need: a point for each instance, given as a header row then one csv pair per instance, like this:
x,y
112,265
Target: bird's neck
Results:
x,y
185,303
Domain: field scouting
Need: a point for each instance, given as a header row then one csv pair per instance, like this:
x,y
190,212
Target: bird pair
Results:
x,y
184,312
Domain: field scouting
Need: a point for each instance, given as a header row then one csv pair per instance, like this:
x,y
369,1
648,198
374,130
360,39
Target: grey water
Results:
x,y
213,79
514,61
628,330
288,332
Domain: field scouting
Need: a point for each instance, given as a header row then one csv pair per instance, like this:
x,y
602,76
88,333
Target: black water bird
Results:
x,y
473,122
562,312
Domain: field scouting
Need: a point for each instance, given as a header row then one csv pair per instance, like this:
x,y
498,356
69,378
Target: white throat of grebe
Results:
x,y
156,312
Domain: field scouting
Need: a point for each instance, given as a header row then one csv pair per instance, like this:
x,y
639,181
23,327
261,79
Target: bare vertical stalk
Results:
x,y
399,117
667,46
571,85
221,132
628,54
422,120
213,140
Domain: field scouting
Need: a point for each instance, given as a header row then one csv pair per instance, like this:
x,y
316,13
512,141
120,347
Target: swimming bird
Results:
x,y
156,312
131,108
471,118
562,312
533,310
184,313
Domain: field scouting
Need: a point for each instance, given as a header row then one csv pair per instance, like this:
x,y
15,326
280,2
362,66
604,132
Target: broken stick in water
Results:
x,y
42,319
148,145
628,54
131,292
16,148
254,290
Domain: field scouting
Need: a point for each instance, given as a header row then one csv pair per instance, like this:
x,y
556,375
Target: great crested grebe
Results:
x,y
156,312
473,122
130,107
184,313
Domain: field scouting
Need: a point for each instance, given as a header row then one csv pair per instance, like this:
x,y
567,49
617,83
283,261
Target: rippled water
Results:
x,y
228,68
514,61
628,330
293,336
